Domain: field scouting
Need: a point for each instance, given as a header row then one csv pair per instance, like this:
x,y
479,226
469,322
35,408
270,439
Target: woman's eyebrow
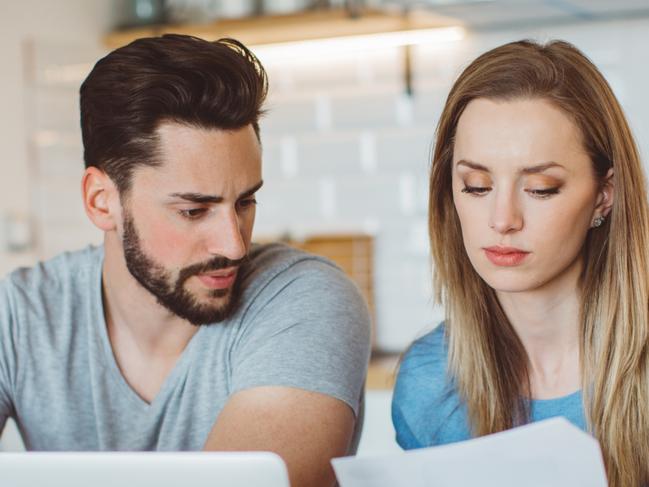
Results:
x,y
541,167
472,165
525,170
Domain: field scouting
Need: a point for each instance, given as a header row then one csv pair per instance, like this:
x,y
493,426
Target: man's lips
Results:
x,y
505,256
221,279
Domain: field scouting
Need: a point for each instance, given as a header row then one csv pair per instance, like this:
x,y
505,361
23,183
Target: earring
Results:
x,y
597,222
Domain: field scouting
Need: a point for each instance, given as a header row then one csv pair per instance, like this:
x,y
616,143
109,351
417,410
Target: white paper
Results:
x,y
550,453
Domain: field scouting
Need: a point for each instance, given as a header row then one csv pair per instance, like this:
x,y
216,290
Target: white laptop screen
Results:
x,y
142,469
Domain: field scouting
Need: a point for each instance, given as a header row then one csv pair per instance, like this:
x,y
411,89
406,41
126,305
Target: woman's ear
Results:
x,y
100,198
605,196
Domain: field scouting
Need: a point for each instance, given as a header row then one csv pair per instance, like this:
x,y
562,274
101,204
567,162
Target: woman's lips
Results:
x,y
220,280
505,256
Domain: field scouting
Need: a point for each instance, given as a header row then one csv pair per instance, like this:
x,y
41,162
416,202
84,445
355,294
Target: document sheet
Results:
x,y
550,453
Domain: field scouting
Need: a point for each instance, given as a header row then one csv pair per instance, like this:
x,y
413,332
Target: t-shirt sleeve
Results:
x,y
7,353
406,439
419,390
308,328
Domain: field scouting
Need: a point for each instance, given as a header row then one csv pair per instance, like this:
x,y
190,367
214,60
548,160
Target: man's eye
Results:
x,y
192,213
247,203
475,190
543,193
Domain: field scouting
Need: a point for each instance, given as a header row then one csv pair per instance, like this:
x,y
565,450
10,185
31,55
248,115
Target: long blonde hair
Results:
x,y
487,361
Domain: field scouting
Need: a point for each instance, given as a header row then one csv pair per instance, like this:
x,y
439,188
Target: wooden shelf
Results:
x,y
273,29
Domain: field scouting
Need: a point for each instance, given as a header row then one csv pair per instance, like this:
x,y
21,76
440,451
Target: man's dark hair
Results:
x,y
173,78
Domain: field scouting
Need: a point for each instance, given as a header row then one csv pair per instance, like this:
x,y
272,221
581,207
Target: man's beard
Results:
x,y
173,295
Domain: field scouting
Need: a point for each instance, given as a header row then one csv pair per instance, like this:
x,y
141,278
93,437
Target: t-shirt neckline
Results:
x,y
100,331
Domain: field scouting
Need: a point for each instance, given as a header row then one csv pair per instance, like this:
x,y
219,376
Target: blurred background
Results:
x,y
356,89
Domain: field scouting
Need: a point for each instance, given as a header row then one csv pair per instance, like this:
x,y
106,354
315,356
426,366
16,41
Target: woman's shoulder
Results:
x,y
423,369
429,351
426,409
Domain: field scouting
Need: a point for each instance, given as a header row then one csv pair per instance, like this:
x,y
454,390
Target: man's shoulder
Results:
x,y
278,264
53,276
41,305
278,257
299,310
280,281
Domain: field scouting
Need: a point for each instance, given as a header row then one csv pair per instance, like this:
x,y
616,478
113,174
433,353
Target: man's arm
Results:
x,y
298,368
307,429
7,353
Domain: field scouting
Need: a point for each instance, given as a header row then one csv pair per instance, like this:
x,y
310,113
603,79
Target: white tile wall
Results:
x,y
390,135
295,116
55,109
344,150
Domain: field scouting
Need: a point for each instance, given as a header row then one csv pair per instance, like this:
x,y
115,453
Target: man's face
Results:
x,y
187,224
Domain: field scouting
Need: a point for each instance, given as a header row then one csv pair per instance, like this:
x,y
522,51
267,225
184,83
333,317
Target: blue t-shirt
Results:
x,y
426,408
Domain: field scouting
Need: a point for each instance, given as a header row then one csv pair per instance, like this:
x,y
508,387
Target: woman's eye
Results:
x,y
192,213
476,190
543,193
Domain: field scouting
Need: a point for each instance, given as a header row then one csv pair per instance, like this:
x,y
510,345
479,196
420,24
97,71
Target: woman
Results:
x,y
539,232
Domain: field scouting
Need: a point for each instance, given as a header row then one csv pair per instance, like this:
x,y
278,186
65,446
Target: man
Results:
x,y
177,333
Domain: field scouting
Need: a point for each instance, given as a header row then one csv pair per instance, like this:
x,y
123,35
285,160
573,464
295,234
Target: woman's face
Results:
x,y
525,192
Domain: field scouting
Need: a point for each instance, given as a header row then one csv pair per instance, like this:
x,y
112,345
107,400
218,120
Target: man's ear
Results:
x,y
605,195
100,199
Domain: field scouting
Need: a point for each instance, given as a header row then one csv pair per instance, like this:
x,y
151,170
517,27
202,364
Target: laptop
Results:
x,y
142,469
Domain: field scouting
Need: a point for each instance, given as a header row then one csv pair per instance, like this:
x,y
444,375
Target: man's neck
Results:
x,y
147,340
132,313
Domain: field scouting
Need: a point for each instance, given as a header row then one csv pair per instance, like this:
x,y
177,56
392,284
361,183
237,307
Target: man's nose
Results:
x,y
506,215
226,237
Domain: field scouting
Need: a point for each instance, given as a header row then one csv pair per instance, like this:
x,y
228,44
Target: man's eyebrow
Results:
x,y
526,170
249,192
208,198
197,197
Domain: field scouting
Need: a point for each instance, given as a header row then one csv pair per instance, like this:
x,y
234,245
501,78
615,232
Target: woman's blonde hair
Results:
x,y
487,361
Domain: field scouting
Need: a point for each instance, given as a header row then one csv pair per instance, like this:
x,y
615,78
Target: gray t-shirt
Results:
x,y
300,323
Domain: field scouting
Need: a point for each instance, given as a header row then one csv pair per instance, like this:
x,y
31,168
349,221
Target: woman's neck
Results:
x,y
546,321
